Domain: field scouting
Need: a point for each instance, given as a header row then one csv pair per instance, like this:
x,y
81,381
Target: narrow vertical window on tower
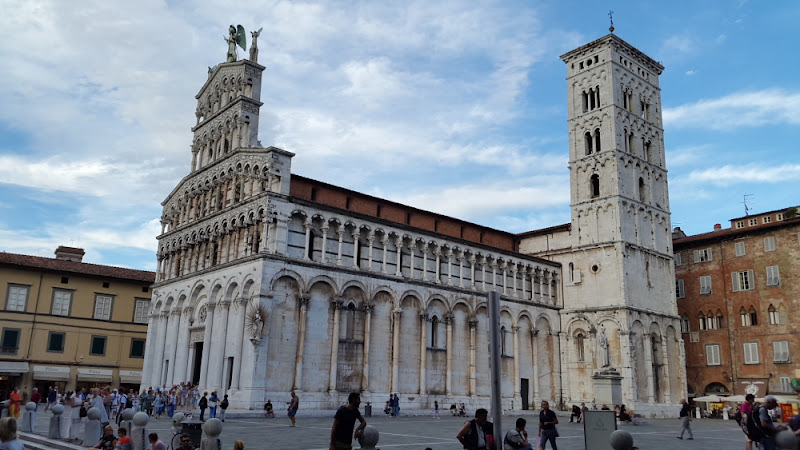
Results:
x,y
597,95
597,140
648,155
642,190
626,143
585,97
588,140
592,104
631,147
595,185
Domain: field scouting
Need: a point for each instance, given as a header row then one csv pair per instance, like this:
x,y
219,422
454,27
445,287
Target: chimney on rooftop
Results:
x,y
717,227
70,253
677,233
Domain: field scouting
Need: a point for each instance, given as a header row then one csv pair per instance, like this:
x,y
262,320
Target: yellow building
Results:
x,y
67,323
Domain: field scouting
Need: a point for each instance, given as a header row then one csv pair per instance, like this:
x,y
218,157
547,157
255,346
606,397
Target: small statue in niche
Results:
x,y
254,45
605,353
255,320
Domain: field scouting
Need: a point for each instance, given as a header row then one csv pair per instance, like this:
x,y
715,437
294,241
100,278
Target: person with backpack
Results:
x,y
517,437
765,422
752,434
203,405
473,435
686,418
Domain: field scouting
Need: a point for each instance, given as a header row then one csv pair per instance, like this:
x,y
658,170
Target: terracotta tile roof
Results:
x,y
553,229
60,265
732,232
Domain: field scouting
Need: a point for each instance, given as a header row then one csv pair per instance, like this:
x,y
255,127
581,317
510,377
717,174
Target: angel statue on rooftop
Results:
x,y
254,45
236,36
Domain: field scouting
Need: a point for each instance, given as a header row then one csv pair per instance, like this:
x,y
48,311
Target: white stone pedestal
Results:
x,y
607,387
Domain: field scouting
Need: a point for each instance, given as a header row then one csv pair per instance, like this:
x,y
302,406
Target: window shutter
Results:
x,y
752,279
735,279
697,256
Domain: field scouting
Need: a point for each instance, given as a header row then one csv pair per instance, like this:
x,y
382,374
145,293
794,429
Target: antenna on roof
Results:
x,y
611,18
746,208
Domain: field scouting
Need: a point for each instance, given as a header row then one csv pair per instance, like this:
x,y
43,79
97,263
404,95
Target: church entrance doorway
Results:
x,y
198,362
523,391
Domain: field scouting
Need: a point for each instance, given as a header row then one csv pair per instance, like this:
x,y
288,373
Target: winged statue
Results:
x,y
236,36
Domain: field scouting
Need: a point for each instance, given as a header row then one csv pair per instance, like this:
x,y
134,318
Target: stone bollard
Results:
x,y
212,429
786,440
139,433
176,429
368,438
621,440
127,417
56,422
29,418
93,430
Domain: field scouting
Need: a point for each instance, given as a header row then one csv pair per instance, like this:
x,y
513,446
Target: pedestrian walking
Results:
x,y
396,406
294,404
52,397
76,420
685,415
203,403
213,402
342,434
15,401
222,407
547,427
767,426
517,437
36,398
436,409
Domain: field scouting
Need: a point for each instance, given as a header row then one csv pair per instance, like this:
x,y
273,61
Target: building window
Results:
x,y
751,353
779,217
589,143
503,332
773,276
711,322
712,355
10,343
702,321
595,185
753,316
17,297
780,350
137,348
579,349
98,345
597,140
740,224
55,342
678,259
705,285
720,319
753,222
434,332
62,300
786,385
740,250
742,281
767,219
642,190
774,317
685,325
769,244
745,318
703,255
140,310
680,290
102,307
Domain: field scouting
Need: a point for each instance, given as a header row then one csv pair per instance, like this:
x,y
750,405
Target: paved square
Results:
x,y
419,432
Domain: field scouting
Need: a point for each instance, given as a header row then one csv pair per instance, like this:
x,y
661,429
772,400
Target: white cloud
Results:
x,y
741,109
690,72
751,173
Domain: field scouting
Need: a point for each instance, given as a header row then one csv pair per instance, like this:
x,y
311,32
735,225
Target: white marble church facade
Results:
x,y
268,282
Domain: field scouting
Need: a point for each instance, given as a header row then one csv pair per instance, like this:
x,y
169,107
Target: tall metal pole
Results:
x,y
496,370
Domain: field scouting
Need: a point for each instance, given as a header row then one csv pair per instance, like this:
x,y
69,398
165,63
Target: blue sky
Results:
x,y
457,107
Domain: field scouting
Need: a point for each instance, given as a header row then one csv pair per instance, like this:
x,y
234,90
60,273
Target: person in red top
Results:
x,y
16,399
36,397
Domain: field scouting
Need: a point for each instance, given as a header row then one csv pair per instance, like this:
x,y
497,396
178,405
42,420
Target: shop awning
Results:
x,y
51,373
13,367
95,375
130,376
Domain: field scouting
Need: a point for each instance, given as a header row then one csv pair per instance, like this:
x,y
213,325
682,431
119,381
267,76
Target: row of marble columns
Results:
x,y
207,201
170,357
219,98
530,276
396,332
235,136
219,249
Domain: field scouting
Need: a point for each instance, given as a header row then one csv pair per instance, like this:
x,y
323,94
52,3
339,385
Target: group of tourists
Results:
x,y
620,412
478,433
